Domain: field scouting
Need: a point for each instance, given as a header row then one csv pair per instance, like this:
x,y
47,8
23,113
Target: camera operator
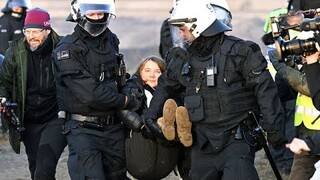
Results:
x,y
302,167
310,144
305,113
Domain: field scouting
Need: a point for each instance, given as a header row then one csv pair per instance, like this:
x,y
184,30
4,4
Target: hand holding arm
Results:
x,y
297,146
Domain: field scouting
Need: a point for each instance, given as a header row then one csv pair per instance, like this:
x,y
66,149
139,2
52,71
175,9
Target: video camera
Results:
x,y
281,25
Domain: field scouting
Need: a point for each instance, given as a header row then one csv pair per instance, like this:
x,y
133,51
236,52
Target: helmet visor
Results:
x,y
20,3
177,41
95,8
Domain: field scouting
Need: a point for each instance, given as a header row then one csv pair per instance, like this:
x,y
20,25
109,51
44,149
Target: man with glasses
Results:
x,y
26,78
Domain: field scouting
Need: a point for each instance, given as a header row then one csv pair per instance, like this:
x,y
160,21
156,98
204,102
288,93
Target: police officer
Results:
x,y
223,78
88,95
12,22
27,79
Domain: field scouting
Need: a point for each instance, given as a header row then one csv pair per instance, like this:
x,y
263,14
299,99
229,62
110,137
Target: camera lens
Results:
x,y
298,47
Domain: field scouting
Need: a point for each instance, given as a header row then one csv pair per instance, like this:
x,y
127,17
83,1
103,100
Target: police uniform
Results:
x,y
228,77
10,28
88,99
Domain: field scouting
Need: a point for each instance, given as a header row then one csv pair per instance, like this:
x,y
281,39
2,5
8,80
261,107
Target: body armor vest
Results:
x,y
101,65
228,102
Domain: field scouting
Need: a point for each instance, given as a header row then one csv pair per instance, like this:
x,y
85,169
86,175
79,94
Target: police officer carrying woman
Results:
x,y
223,78
87,93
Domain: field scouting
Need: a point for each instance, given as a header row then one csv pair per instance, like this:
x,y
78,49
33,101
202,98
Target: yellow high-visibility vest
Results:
x,y
306,113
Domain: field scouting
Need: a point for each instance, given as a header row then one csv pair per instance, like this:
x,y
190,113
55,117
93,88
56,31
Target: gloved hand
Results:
x,y
131,119
275,60
133,103
267,39
276,139
153,127
135,95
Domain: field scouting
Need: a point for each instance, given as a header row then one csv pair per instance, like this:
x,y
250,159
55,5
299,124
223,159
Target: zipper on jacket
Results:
x,y
47,73
40,83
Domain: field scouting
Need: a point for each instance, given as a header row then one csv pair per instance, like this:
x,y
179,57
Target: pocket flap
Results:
x,y
192,102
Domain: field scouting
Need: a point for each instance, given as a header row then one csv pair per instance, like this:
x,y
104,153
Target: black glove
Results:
x,y
133,88
153,127
131,119
147,134
276,139
133,103
275,60
267,39
135,96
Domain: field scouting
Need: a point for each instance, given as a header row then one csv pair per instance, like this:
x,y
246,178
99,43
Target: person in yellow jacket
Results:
x,y
310,144
306,116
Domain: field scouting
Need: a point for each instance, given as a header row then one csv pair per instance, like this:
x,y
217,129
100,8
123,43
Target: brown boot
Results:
x,y
184,126
160,122
169,116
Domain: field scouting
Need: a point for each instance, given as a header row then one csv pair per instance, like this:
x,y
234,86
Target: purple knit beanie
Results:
x,y
37,18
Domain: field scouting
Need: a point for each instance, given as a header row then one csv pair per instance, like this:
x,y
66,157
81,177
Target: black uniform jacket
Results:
x,y
85,73
312,72
10,29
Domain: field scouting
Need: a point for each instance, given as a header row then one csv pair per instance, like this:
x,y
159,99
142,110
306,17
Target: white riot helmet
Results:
x,y
222,11
200,17
79,9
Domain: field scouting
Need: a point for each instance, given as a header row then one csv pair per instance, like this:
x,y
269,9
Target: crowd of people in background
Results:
x,y
191,111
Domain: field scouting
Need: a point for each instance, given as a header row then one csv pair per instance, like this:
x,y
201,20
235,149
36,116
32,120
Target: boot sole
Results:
x,y
169,117
184,126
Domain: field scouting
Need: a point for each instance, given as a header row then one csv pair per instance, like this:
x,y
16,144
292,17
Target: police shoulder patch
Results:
x,y
65,54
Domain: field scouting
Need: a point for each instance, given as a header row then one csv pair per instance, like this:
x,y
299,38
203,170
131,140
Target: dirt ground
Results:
x,y
138,25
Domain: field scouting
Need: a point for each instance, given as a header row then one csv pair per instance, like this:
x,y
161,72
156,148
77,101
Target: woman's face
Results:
x,y
150,73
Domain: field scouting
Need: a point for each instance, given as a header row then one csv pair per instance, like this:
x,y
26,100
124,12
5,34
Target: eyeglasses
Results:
x,y
34,32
